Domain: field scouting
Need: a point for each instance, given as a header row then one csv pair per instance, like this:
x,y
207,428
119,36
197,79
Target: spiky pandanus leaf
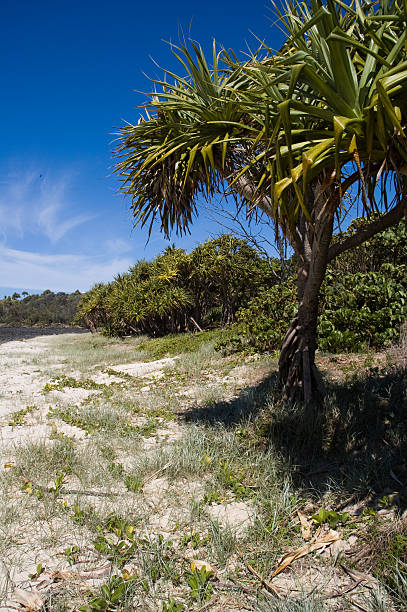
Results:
x,y
349,86
168,160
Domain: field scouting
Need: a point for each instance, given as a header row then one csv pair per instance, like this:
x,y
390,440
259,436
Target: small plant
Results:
x,y
71,416
61,382
158,560
18,418
89,421
195,540
133,483
58,435
199,583
71,554
172,606
331,517
149,428
369,513
81,516
116,469
60,480
233,481
119,552
242,433
29,488
386,502
38,571
123,375
119,526
213,497
113,595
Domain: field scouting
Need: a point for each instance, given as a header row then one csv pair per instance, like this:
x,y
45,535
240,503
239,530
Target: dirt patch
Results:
x,y
247,375
236,515
11,436
103,378
149,369
341,367
332,584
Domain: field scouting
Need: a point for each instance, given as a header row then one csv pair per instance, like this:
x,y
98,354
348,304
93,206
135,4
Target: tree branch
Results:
x,y
391,218
246,189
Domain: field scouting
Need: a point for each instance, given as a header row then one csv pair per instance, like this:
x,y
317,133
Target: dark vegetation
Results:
x,y
225,283
48,308
363,300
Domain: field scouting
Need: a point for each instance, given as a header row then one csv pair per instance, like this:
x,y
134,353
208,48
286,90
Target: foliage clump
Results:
x,y
177,291
363,301
225,283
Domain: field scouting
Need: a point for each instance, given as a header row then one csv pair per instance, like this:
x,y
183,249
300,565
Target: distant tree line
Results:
x,y
47,308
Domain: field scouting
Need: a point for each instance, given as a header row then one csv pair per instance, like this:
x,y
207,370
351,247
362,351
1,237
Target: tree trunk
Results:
x,y
90,324
299,377
298,374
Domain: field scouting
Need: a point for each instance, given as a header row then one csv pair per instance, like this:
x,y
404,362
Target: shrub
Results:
x,y
177,291
363,301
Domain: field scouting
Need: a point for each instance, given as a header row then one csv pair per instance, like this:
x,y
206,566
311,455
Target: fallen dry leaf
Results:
x,y
99,572
62,576
320,542
197,565
44,583
306,527
31,600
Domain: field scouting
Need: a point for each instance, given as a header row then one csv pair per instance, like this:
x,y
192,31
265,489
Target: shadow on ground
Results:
x,y
355,442
250,401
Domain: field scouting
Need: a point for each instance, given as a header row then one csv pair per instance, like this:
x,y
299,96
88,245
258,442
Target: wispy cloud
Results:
x,y
117,246
32,203
57,272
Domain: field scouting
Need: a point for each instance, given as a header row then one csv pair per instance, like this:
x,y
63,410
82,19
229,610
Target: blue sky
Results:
x,y
69,71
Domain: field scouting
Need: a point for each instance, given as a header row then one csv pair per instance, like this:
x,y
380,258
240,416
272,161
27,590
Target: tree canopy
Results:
x,y
309,135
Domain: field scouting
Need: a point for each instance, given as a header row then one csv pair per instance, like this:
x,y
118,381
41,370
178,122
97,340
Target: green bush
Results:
x,y
261,326
363,301
177,291
363,310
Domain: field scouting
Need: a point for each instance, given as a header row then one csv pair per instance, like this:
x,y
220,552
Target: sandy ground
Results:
x,y
21,379
26,366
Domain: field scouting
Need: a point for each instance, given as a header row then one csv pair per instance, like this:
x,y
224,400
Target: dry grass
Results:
x,y
398,352
151,463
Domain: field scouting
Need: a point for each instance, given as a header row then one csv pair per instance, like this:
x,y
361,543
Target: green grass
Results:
x,y
176,344
19,417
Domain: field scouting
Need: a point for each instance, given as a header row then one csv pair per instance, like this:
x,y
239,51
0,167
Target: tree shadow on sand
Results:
x,y
356,442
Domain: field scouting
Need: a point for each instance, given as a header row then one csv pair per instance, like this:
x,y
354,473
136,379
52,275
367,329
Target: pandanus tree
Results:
x,y
290,133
